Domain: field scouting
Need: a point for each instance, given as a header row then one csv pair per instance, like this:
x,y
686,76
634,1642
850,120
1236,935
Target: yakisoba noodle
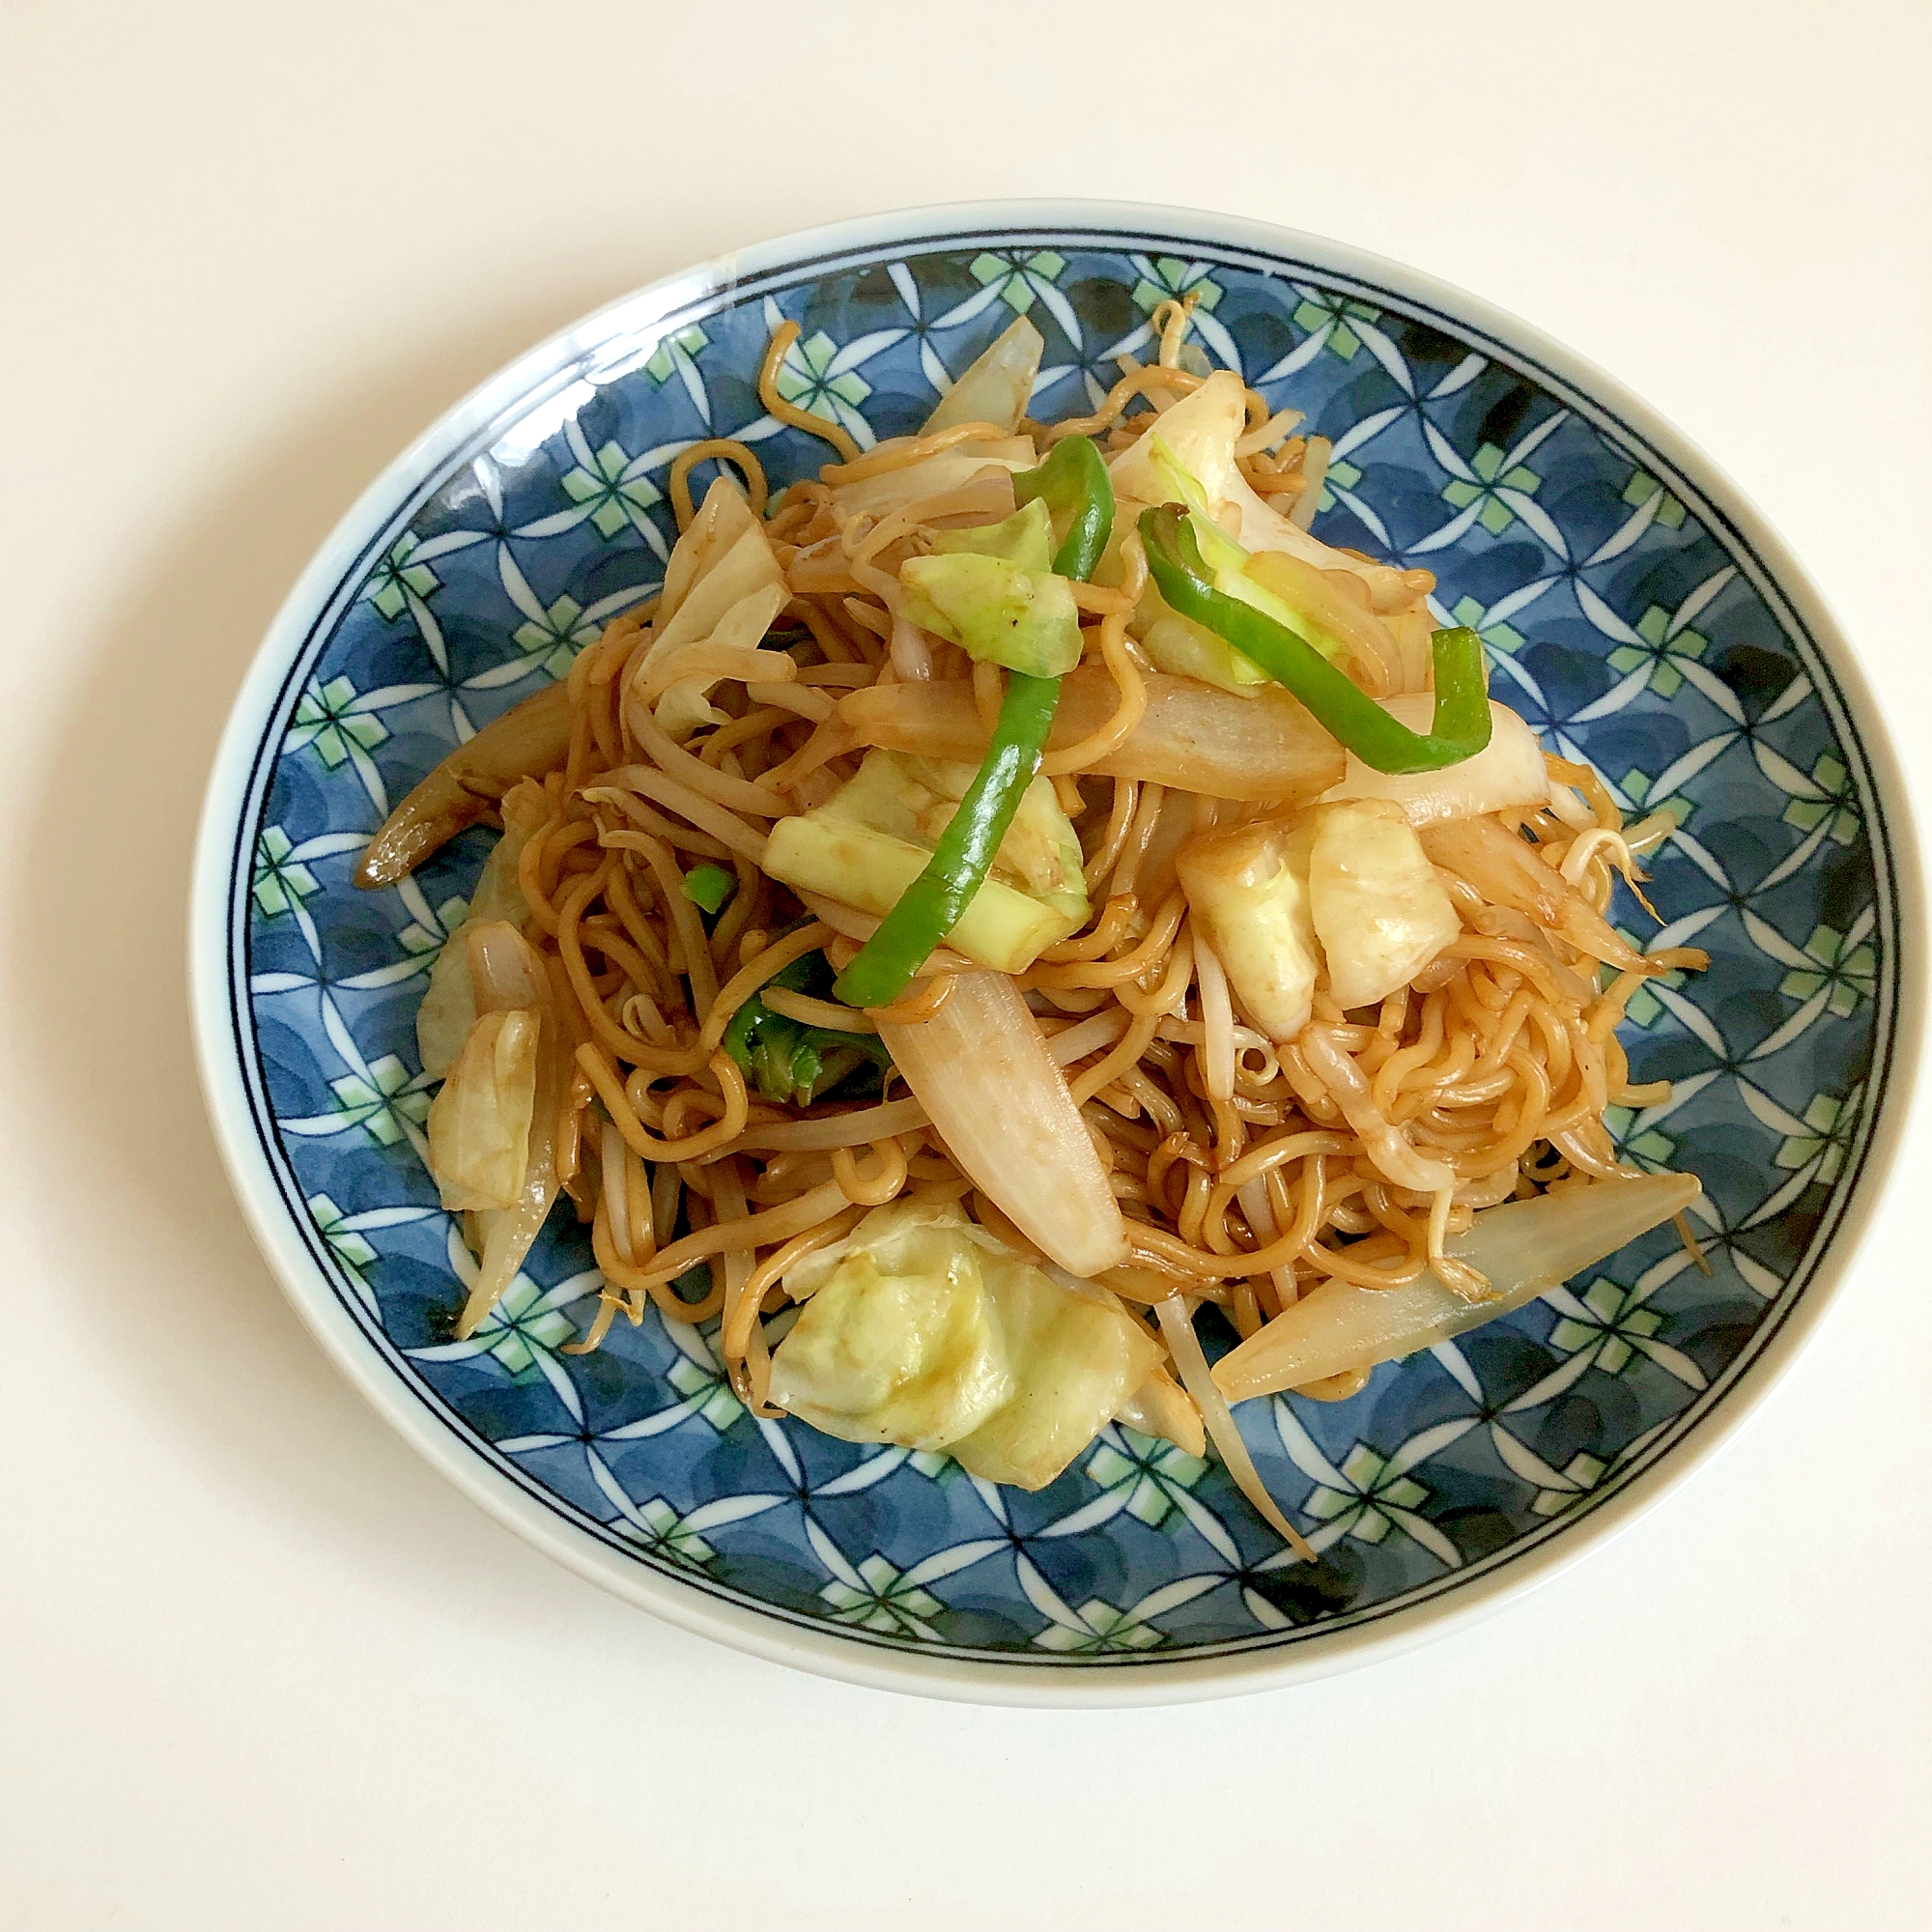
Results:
x,y
1249,1170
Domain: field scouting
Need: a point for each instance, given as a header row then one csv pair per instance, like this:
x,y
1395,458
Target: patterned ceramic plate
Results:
x,y
1635,611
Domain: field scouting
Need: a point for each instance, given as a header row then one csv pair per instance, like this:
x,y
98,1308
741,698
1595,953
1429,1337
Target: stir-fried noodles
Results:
x,y
1239,1009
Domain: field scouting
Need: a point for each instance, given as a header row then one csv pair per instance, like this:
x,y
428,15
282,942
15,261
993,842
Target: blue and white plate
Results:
x,y
1636,610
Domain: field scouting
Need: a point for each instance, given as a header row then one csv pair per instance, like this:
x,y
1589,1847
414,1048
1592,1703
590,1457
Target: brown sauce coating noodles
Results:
x,y
1498,1062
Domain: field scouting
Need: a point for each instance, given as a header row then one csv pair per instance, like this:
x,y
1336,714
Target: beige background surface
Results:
x,y
264,1668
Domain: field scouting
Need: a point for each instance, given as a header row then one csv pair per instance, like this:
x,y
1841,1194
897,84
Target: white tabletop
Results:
x,y
267,1670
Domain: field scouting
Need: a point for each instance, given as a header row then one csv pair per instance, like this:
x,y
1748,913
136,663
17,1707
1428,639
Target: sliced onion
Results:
x,y
1161,1406
526,741
982,1069
1221,744
1525,1248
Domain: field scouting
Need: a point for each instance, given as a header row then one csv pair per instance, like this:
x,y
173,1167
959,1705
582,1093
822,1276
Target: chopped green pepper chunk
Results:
x,y
708,887
788,1060
1461,722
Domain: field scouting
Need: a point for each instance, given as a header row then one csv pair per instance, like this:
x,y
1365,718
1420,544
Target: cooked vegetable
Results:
x,y
1229,561
1249,887
923,1329
914,799
526,741
788,1059
1125,984
1462,720
510,977
1176,1328
1191,737
994,611
1525,1248
1379,908
1025,538
1200,432
1506,870
1183,648
1073,487
1508,770
479,1125
723,588
999,926
1161,1406
708,887
1385,1143
990,463
448,1006
988,1085
930,907
505,969
995,386
875,838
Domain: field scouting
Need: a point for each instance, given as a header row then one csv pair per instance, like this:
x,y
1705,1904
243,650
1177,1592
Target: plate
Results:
x,y
1635,608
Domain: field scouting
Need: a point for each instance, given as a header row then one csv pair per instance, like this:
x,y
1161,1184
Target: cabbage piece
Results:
x,y
1077,1356
995,610
923,1329
867,870
1379,908
448,1008
479,1125
1200,433
996,387
871,838
1249,888
902,1344
1324,608
1040,853
721,586
1025,538
1184,648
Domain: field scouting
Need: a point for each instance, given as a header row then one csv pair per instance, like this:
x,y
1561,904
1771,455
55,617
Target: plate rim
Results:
x,y
1158,1681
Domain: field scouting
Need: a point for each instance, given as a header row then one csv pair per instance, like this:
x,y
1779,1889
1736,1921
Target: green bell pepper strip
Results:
x,y
1074,483
708,887
1346,712
1079,497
